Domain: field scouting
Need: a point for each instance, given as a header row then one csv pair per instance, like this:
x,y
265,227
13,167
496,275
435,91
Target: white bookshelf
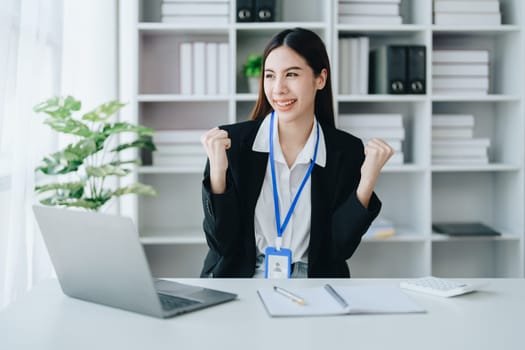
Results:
x,y
414,194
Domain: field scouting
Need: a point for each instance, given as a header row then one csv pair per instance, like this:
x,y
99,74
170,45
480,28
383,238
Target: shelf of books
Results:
x,y
443,84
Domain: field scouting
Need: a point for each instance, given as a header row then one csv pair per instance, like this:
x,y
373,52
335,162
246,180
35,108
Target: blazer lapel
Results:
x,y
322,201
251,179
253,176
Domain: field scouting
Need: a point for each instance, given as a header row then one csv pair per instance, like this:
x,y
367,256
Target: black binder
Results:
x,y
388,70
245,11
265,10
416,71
464,229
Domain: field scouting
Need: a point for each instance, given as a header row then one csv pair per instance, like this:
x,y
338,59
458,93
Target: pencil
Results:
x,y
293,297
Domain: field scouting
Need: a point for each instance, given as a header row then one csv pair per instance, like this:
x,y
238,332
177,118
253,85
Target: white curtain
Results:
x,y
30,54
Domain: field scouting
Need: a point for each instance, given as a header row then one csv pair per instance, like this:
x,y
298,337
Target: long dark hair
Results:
x,y
309,46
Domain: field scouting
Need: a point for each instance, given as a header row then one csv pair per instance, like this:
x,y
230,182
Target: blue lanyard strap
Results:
x,y
282,228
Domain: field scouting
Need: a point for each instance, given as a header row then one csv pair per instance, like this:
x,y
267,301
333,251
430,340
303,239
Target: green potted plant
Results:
x,y
77,173
252,71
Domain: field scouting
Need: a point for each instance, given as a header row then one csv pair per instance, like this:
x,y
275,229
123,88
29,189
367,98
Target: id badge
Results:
x,y
277,263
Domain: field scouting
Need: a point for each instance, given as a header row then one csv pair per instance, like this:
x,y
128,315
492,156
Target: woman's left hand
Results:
x,y
377,153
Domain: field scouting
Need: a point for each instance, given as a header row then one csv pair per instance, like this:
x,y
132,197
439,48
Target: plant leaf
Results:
x,y
56,164
58,107
136,188
70,159
68,125
127,127
122,162
142,142
88,203
106,170
103,112
253,66
66,189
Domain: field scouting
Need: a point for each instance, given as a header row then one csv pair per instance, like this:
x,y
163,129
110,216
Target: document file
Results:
x,y
318,301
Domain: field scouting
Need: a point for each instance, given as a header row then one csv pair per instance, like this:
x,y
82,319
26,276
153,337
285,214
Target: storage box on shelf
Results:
x,y
414,193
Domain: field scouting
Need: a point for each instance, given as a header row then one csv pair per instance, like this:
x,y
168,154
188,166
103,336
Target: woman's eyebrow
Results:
x,y
287,69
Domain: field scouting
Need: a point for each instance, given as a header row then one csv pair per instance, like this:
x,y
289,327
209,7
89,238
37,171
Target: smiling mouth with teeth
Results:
x,y
284,104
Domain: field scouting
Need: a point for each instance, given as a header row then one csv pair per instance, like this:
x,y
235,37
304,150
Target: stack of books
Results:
x,y
179,148
453,141
204,68
196,12
353,65
388,127
460,72
369,12
470,12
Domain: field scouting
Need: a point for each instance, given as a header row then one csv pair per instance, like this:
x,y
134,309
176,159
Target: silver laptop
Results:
x,y
99,258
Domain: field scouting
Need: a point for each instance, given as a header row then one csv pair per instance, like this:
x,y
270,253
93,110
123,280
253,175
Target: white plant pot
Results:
x,y
253,85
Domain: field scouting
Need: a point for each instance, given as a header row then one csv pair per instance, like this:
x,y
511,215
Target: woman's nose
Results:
x,y
280,85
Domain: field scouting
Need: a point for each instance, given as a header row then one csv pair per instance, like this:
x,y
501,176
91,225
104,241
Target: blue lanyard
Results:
x,y
281,228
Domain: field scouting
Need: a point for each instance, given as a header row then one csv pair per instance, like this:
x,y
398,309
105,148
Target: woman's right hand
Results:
x,y
216,142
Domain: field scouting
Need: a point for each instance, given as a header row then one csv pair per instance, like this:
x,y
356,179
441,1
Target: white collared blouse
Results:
x,y
296,236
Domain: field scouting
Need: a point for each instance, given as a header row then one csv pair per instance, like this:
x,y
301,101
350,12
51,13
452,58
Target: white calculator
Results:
x,y
439,286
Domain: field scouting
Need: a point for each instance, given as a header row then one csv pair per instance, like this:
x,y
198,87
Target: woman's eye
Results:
x,y
268,76
291,74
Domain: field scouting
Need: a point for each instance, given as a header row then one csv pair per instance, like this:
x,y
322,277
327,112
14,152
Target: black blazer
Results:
x,y
338,219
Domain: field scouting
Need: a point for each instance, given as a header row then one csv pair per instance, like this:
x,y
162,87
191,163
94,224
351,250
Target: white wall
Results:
x,y
90,51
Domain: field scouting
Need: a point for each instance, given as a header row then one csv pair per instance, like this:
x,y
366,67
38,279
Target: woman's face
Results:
x,y
290,84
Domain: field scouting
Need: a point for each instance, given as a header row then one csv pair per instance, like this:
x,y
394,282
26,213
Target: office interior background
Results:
x,y
134,51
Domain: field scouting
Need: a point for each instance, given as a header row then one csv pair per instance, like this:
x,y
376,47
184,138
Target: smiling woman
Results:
x,y
286,194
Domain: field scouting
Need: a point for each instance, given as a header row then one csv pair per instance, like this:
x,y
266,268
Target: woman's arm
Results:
x,y
221,217
219,196
377,153
355,214
216,142
350,222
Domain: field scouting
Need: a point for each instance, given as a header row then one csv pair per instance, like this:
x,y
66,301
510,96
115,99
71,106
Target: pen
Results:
x,y
336,295
293,297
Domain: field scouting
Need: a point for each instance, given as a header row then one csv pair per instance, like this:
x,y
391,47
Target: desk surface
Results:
x,y
492,318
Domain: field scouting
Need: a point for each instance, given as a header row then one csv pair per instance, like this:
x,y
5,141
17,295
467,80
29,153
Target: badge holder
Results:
x,y
277,263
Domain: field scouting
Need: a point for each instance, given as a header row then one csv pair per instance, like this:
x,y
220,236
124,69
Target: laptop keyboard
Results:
x,y
170,302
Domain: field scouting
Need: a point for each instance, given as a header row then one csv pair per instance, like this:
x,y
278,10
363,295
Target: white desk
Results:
x,y
491,319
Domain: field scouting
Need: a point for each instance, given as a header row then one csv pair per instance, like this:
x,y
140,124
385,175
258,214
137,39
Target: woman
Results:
x,y
286,193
